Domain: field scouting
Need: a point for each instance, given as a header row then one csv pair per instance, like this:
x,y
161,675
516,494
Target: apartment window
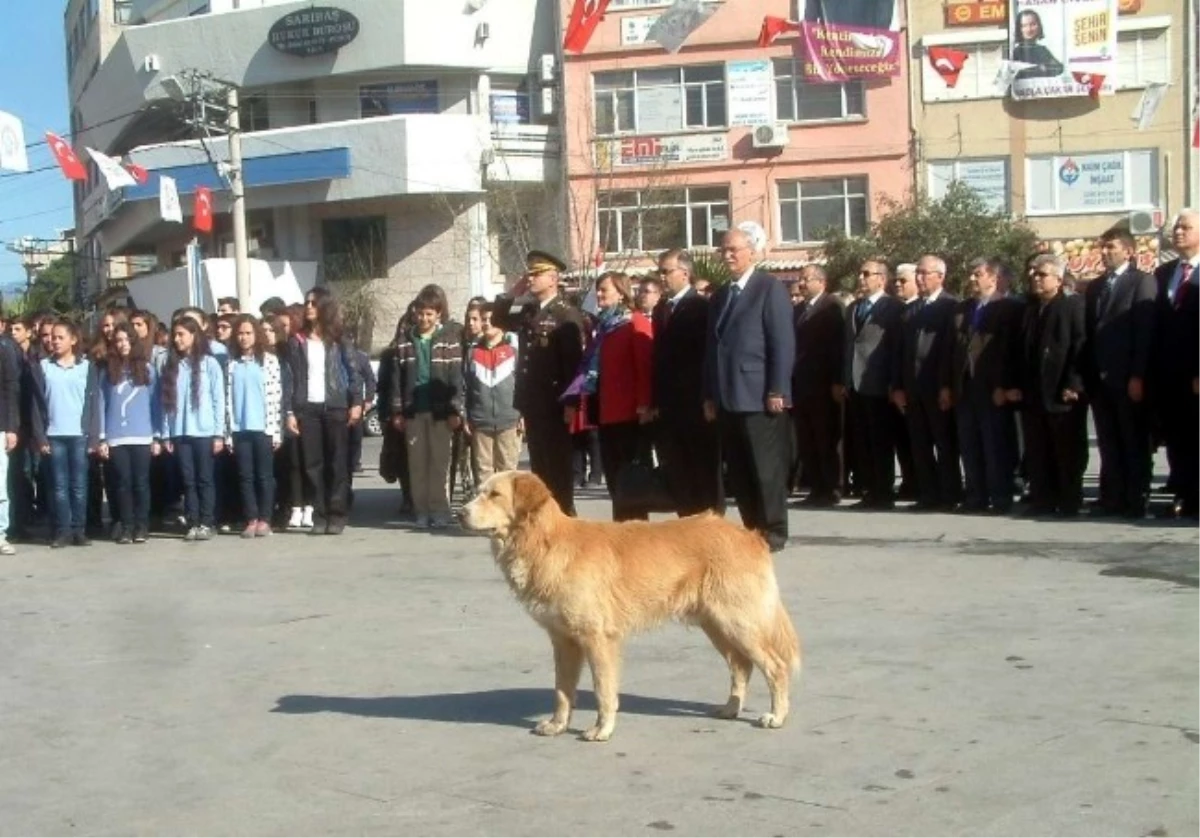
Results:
x,y
407,97
657,219
1143,58
254,113
987,176
660,100
807,208
1101,182
122,12
797,100
977,80
354,248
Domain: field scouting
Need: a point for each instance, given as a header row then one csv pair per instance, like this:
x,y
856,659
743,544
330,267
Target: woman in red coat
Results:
x,y
616,377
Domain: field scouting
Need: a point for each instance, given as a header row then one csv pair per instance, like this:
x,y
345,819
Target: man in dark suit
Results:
x,y
817,417
1053,416
922,391
747,387
688,445
1120,335
550,346
983,385
1177,371
872,328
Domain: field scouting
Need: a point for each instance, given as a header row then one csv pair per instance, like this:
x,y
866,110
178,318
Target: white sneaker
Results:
x,y
297,517
7,549
306,519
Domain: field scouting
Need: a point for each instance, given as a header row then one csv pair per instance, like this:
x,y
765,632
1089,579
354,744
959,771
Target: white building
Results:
x,y
395,139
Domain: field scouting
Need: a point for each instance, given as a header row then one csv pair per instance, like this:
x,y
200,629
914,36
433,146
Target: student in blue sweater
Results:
x,y
62,414
129,429
193,421
255,397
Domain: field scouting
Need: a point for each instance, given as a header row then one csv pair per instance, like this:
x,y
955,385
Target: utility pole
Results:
x,y
237,186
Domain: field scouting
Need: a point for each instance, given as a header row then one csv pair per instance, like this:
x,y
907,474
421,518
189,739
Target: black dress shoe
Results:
x,y
970,509
1172,510
81,540
776,542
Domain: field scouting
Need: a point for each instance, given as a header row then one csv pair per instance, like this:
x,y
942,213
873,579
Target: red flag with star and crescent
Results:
x,y
948,62
202,210
140,173
773,27
1092,81
585,17
64,155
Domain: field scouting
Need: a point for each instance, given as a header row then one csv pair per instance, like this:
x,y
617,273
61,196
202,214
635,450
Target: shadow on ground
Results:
x,y
513,707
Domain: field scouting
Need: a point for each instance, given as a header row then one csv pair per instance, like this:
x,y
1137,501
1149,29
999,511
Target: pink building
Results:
x,y
671,150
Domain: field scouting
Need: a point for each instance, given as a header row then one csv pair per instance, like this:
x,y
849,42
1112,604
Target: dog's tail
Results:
x,y
784,639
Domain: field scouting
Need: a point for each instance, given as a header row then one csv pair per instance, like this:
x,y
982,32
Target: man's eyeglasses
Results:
x,y
869,273
310,303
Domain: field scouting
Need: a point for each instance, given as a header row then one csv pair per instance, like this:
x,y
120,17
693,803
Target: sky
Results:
x,y
33,67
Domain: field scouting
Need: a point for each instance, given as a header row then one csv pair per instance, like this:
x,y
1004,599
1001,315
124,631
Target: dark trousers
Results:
x,y
586,457
130,467
195,457
755,449
256,474
1181,418
69,465
985,438
1052,449
289,474
101,485
323,439
691,460
621,443
874,445
21,481
354,445
549,442
228,495
935,451
818,423
1123,436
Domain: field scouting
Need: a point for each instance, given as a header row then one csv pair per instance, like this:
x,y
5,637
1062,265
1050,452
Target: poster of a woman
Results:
x,y
1029,47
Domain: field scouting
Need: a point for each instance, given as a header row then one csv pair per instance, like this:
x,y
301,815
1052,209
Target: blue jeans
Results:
x,y
195,455
256,474
130,466
69,467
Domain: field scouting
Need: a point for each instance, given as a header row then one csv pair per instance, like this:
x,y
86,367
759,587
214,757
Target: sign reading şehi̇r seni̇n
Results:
x,y
314,31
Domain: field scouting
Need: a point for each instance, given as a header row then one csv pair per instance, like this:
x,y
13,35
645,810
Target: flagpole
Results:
x,y
237,186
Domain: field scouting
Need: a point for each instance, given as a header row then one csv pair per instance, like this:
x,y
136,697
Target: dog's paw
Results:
x,y
549,727
770,721
731,710
596,734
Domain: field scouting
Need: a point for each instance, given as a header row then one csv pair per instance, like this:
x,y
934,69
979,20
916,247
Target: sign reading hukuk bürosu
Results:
x,y
313,31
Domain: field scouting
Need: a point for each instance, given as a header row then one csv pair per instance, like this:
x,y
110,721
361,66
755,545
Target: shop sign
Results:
x,y
313,31
651,151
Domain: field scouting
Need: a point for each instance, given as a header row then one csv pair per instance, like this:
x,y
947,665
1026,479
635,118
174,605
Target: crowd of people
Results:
x,y
758,388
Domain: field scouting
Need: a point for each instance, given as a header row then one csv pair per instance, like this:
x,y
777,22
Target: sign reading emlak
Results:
x,y
314,31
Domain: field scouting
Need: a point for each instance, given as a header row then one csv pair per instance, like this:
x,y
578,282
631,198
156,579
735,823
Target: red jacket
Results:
x,y
626,371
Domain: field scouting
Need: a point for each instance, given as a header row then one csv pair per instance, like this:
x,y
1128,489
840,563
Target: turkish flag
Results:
x,y
140,173
65,156
773,27
585,17
202,210
1092,81
948,62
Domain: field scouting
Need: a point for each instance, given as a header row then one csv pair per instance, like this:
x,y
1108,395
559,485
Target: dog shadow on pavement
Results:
x,y
513,707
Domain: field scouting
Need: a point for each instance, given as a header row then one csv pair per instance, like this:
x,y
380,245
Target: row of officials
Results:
x,y
973,391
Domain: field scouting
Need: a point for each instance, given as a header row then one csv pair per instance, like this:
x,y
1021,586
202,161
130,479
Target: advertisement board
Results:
x,y
750,86
1064,47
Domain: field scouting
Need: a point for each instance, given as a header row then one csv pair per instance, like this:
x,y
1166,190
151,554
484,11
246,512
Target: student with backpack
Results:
x,y
129,430
255,396
193,421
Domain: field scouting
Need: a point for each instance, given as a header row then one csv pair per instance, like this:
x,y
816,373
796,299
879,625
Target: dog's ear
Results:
x,y
529,495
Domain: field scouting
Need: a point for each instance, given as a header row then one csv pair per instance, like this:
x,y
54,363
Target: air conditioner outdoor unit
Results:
x,y
1142,222
770,135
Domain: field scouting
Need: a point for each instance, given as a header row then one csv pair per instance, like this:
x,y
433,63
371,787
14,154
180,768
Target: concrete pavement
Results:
x,y
962,676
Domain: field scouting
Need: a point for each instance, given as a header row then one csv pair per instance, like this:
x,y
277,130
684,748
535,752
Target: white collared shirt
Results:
x,y
932,298
813,301
874,298
744,278
675,299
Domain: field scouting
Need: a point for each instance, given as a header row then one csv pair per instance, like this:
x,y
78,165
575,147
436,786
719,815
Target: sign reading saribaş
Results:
x,y
314,31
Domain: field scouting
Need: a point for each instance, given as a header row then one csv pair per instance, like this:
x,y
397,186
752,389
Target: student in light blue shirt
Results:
x,y
62,420
193,421
129,430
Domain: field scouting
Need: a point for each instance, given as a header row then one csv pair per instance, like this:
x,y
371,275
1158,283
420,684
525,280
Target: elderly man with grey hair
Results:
x,y
1050,381
921,389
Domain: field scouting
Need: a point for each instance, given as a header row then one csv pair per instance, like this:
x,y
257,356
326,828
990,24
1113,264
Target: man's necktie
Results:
x,y
1181,288
862,313
734,290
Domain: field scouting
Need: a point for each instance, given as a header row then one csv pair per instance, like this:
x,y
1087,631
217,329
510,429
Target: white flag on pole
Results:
x,y
678,22
12,144
168,200
111,169
1147,107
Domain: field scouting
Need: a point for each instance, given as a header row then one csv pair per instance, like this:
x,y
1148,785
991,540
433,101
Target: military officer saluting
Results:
x,y
549,352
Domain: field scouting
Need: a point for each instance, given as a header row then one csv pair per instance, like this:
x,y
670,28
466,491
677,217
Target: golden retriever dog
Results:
x,y
590,584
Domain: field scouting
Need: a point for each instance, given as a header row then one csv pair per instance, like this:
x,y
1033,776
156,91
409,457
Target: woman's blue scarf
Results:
x,y
588,380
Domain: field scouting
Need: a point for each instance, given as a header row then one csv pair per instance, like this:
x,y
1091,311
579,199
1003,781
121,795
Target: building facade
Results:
x,y
670,150
388,141
1074,166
